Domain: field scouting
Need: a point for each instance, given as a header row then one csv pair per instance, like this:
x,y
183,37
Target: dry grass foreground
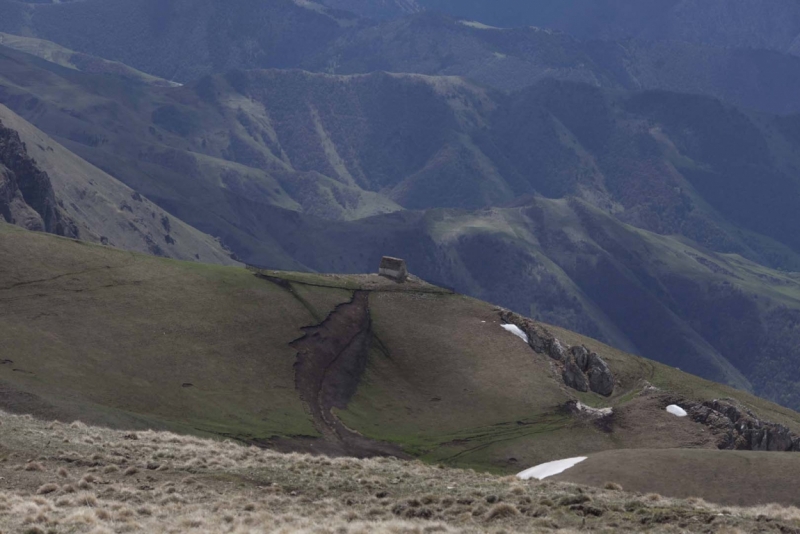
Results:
x,y
72,478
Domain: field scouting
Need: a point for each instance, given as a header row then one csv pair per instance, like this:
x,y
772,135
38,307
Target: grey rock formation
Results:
x,y
581,355
13,208
601,380
739,429
558,351
582,369
26,194
574,376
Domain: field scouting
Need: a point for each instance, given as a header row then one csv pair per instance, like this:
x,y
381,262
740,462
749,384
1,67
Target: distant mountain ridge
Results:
x,y
378,9
182,41
771,24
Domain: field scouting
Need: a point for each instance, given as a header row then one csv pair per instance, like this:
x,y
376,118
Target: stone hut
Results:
x,y
393,268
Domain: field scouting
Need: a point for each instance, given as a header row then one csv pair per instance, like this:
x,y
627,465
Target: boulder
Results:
x,y
573,375
581,355
601,381
558,351
538,340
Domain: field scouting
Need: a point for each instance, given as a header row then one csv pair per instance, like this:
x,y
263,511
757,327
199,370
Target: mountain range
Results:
x,y
182,41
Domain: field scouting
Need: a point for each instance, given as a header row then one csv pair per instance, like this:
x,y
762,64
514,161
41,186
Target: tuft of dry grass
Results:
x,y
47,488
221,486
502,511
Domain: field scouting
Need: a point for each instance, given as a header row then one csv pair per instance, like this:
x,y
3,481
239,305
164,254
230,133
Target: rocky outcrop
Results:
x,y
574,376
737,428
13,208
601,380
26,194
581,369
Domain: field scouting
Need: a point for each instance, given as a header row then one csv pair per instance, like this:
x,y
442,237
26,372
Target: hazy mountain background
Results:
x,y
614,169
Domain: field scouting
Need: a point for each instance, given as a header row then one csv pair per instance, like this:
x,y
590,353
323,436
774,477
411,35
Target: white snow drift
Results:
x,y
549,469
674,409
517,331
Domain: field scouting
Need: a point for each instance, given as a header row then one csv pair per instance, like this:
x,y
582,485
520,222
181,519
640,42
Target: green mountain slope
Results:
x,y
137,341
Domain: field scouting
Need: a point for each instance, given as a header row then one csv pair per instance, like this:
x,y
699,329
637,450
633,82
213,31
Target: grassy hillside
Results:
x,y
126,340
76,60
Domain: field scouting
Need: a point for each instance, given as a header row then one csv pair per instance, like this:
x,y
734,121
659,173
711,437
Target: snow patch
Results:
x,y
549,469
676,410
517,331
477,25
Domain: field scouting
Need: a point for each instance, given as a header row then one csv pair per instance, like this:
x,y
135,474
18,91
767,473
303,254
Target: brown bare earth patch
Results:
x,y
736,478
643,423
